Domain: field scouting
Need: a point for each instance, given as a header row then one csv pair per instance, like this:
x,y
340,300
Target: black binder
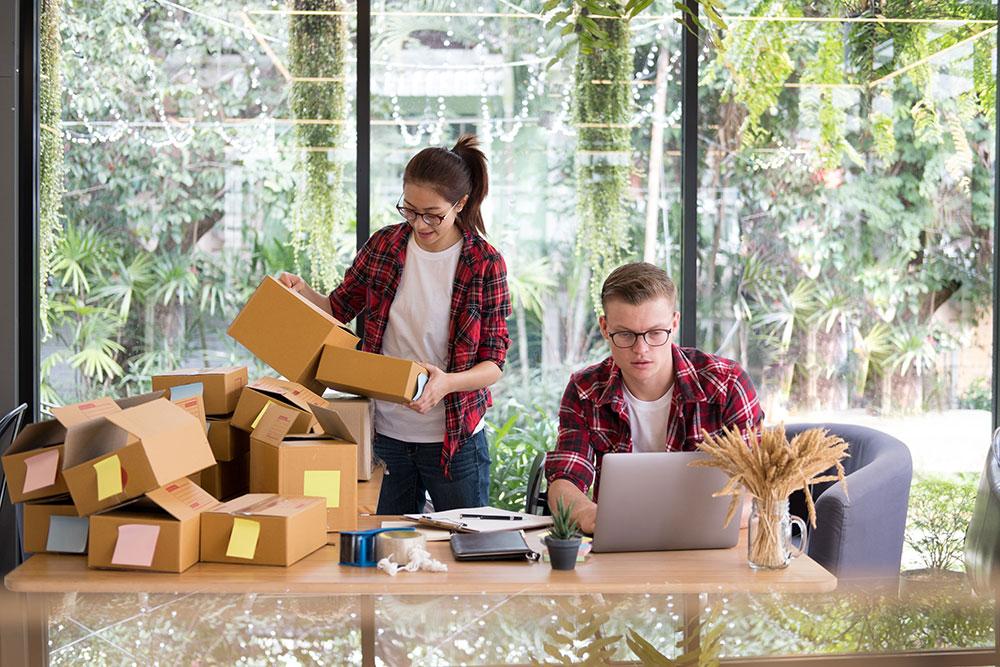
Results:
x,y
504,545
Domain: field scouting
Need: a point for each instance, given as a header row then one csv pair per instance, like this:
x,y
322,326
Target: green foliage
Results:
x,y
585,24
51,162
701,644
977,396
939,514
564,526
513,448
579,637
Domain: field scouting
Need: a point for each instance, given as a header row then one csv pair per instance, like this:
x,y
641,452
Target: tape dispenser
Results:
x,y
357,547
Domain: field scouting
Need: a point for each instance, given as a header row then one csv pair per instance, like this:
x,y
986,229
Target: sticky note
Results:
x,y
243,539
183,391
323,483
40,470
68,534
261,414
109,477
135,545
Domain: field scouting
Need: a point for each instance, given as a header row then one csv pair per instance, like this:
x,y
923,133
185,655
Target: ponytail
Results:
x,y
454,174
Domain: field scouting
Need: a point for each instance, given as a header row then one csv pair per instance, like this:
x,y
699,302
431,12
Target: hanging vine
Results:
x,y
602,80
51,166
318,64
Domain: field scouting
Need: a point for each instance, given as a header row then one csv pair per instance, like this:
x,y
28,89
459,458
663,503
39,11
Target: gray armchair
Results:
x,y
860,536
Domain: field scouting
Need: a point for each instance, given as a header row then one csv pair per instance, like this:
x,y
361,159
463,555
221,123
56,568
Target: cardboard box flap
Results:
x,y
292,392
35,436
267,504
90,440
174,442
274,423
78,413
218,370
132,401
183,499
333,425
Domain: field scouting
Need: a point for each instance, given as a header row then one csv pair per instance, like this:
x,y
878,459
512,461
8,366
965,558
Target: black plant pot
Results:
x,y
563,553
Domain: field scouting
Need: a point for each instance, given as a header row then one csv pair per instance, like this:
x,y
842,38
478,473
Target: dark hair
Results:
x,y
453,174
638,283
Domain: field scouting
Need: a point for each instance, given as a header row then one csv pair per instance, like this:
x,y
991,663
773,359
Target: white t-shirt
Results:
x,y
648,421
418,329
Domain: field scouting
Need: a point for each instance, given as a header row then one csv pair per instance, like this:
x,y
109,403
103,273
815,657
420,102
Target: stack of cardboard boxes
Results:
x,y
136,483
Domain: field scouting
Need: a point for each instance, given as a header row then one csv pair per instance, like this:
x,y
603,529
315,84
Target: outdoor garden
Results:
x,y
846,168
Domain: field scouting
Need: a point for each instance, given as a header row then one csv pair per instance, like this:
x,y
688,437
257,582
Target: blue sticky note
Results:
x,y
68,534
183,391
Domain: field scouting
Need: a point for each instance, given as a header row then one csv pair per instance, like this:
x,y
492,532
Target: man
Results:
x,y
648,396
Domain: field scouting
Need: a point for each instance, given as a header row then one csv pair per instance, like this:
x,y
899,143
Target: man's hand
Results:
x,y
584,509
587,518
437,387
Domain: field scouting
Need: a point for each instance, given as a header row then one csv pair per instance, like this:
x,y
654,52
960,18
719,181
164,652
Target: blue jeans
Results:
x,y
413,468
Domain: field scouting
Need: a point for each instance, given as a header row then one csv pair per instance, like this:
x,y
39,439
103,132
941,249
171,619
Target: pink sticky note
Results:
x,y
40,470
136,545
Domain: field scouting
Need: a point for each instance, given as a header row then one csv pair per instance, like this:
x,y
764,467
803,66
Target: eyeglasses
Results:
x,y
627,339
431,219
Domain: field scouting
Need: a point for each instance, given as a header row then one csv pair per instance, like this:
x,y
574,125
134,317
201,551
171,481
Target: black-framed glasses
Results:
x,y
432,219
653,337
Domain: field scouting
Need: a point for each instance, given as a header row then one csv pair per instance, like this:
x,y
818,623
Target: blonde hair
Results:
x,y
637,283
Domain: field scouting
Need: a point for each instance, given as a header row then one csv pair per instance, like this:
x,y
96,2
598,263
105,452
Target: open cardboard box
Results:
x,y
263,529
222,386
158,532
227,442
288,332
227,478
307,465
52,526
356,414
190,397
372,375
127,453
34,461
266,391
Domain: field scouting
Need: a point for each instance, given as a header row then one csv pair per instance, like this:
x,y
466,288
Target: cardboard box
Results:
x,y
125,454
227,478
52,526
263,529
34,461
161,532
189,398
222,386
307,465
372,375
356,415
288,332
260,393
227,442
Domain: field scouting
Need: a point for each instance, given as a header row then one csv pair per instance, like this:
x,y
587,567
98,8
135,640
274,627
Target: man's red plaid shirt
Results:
x,y
480,304
710,392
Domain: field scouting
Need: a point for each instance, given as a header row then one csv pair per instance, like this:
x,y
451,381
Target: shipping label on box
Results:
x,y
307,465
123,455
287,331
222,386
263,529
266,391
190,397
160,533
52,526
372,375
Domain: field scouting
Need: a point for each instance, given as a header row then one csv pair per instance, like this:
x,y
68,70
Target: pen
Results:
x,y
500,517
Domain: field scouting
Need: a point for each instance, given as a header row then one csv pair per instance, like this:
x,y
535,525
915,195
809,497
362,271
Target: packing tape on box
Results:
x,y
397,545
357,547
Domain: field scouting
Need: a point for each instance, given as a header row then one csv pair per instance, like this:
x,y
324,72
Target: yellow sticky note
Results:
x,y
324,484
261,414
243,539
109,477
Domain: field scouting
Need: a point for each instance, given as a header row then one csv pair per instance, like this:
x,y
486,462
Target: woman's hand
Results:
x,y
437,387
297,284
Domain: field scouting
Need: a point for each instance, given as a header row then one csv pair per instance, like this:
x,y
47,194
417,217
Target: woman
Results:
x,y
433,291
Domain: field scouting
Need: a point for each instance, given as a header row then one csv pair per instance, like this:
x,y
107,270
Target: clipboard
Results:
x,y
468,520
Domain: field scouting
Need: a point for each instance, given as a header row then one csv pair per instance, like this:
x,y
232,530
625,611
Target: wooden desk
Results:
x,y
686,573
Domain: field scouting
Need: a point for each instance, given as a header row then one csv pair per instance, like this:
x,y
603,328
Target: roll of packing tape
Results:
x,y
397,545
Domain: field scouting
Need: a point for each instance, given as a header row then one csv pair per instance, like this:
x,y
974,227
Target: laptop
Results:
x,y
652,501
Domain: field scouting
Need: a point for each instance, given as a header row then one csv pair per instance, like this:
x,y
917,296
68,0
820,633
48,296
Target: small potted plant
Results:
x,y
563,540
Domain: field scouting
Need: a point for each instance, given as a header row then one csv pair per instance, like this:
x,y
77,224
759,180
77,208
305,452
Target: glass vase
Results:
x,y
769,542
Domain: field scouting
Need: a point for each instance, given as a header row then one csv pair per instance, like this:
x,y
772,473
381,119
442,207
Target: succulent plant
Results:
x,y
564,527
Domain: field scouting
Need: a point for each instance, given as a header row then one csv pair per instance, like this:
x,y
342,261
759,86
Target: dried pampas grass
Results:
x,y
771,468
